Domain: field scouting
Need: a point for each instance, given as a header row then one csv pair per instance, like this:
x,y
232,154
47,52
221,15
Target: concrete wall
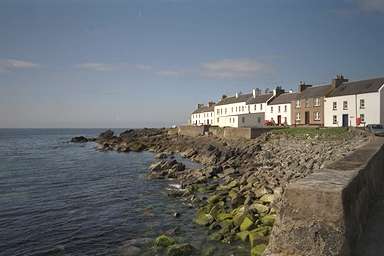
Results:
x,y
193,131
325,213
243,133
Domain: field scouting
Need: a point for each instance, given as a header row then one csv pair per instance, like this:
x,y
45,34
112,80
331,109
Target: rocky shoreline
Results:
x,y
237,192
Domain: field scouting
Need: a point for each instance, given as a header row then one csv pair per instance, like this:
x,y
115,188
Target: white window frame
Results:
x,y
334,119
298,116
334,105
345,105
362,106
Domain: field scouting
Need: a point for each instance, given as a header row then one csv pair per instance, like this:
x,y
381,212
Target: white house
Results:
x,y
355,103
279,109
203,115
242,110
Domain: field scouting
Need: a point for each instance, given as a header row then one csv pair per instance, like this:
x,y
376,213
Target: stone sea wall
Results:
x,y
325,213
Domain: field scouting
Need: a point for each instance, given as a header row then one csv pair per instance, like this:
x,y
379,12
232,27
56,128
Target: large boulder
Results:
x,y
108,134
79,139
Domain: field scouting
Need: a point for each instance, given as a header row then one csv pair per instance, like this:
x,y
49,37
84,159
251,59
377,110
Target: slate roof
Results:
x,y
284,98
314,92
233,99
259,99
358,87
204,109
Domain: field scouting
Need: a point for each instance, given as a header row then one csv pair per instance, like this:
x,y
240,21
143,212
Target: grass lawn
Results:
x,y
313,131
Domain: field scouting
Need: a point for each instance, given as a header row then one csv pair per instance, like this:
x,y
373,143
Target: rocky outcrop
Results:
x,y
238,191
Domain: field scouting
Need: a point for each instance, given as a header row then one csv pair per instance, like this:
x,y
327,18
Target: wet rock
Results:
x,y
180,250
79,139
161,156
108,134
164,241
203,218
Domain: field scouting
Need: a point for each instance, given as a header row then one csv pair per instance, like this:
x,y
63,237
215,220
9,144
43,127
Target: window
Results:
x,y
218,120
362,118
285,108
255,107
271,109
236,108
221,111
278,109
362,104
334,105
249,108
225,110
297,116
345,105
243,119
261,106
316,116
307,103
316,102
259,119
297,103
242,108
232,109
334,119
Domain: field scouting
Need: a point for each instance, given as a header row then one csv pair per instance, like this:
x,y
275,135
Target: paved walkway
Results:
x,y
372,241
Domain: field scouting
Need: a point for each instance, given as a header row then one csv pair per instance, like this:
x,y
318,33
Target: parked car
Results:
x,y
377,129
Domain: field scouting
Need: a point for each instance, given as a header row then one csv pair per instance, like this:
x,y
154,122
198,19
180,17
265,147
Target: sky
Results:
x,y
147,63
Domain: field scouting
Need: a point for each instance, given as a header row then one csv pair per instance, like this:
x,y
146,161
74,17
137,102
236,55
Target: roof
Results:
x,y
284,98
315,91
358,87
260,98
204,109
233,99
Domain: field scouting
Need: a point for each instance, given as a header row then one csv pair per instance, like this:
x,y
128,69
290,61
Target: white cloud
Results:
x,y
372,5
143,67
96,66
233,68
13,64
171,72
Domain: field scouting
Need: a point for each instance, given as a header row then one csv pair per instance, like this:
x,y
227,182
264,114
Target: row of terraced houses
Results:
x,y
341,103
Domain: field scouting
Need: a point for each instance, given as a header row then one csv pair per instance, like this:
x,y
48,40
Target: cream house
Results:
x,y
355,103
279,110
203,115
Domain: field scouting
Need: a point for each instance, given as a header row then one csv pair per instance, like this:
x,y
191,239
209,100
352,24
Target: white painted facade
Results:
x,y
277,112
203,118
227,115
368,107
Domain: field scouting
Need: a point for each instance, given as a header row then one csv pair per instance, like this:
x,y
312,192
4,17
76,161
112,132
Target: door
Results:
x,y
278,120
345,120
307,117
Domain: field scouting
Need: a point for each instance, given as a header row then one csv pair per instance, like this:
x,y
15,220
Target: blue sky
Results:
x,y
135,63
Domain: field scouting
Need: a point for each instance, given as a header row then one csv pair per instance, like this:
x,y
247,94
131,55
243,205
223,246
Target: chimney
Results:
x,y
256,92
339,80
200,105
278,91
303,86
223,96
211,103
237,94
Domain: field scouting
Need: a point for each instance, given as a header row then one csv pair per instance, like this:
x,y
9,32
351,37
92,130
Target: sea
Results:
x,y
62,198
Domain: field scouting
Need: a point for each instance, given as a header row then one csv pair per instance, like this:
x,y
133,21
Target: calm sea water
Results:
x,y
60,198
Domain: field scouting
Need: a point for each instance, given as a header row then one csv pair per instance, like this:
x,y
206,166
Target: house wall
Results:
x,y
204,118
257,108
371,110
382,104
311,108
223,111
272,113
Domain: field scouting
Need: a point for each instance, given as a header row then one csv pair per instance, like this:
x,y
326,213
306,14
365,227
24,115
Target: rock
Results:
x,y
176,214
243,235
203,219
108,134
268,198
161,156
164,241
246,224
258,250
217,236
180,250
258,235
130,251
137,147
223,216
79,139
268,220
208,250
260,208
